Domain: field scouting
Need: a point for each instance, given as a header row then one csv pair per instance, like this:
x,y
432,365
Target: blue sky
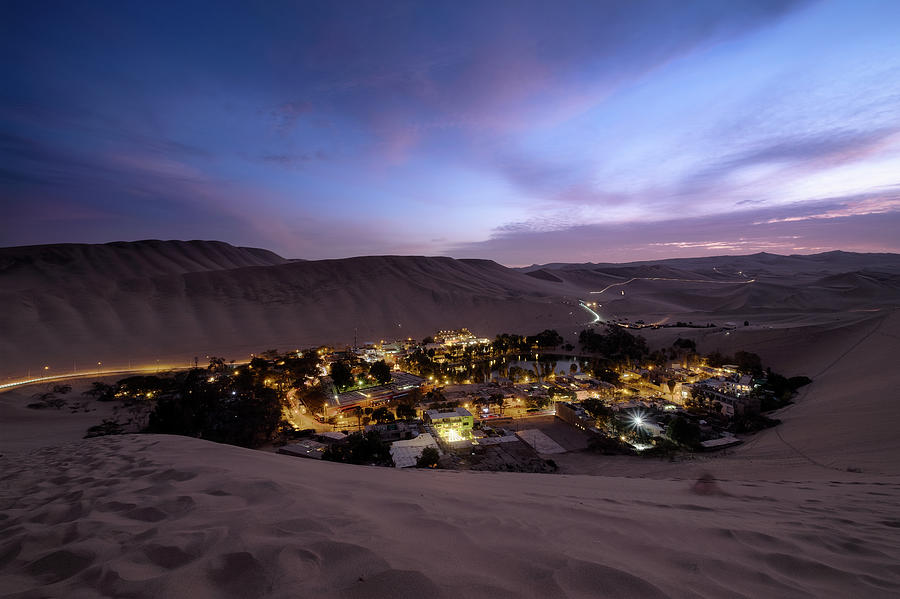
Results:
x,y
518,131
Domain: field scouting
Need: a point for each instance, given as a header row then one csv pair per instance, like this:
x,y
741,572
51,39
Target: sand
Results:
x,y
809,508
159,516
123,308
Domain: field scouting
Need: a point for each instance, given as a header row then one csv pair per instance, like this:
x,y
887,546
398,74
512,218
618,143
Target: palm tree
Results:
x,y
358,411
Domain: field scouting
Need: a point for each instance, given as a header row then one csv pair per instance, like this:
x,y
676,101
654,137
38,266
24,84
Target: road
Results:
x,y
596,316
672,279
81,375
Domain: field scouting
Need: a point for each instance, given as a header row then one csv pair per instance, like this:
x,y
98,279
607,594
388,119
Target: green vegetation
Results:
x,y
226,411
381,372
360,449
617,345
778,390
341,375
406,411
223,403
50,399
100,391
429,458
684,432
382,415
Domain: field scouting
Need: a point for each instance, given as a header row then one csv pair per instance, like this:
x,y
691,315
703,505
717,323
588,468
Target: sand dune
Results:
x,y
46,264
121,304
805,509
124,304
157,516
763,262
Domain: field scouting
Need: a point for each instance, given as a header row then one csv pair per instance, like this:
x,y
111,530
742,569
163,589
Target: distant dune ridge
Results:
x,y
808,508
121,303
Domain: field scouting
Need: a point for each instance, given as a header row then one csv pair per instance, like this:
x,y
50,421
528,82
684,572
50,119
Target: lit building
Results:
x,y
452,426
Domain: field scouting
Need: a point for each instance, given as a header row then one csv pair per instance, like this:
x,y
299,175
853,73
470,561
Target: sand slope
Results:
x,y
129,304
808,509
136,303
158,516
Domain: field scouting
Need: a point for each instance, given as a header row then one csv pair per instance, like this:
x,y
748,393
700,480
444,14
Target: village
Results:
x,y
456,400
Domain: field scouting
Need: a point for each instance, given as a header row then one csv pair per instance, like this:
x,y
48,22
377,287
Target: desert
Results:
x,y
807,508
505,299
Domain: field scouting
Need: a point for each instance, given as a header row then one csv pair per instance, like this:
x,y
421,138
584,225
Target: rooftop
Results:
x,y
456,413
406,453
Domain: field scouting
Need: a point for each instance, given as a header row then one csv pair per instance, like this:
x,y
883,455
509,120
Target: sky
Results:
x,y
523,132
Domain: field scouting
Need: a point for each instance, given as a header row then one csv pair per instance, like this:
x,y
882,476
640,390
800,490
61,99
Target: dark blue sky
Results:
x,y
518,131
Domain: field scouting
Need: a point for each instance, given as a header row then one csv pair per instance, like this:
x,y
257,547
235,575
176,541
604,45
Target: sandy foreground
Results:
x,y
162,516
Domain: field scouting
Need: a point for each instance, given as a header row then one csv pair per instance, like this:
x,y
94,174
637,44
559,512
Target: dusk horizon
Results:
x,y
670,255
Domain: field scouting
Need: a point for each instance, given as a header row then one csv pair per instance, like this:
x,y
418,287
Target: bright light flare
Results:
x,y
638,420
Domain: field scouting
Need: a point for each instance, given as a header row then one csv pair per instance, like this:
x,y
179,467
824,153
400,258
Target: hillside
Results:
x,y
136,303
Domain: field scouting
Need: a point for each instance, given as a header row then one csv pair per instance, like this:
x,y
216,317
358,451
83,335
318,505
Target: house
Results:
x,y
453,425
406,453
304,449
394,431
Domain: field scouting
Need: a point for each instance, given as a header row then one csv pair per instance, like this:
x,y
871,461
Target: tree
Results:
x,y
382,415
406,412
314,398
216,364
358,412
429,458
547,338
596,408
688,344
381,372
684,431
100,391
360,449
748,362
341,375
616,344
259,363
716,359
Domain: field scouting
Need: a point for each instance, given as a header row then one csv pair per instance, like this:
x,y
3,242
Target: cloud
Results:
x,y
860,223
406,73
807,152
861,205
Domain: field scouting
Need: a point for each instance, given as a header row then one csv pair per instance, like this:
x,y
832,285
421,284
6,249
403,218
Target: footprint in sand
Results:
x,y
59,565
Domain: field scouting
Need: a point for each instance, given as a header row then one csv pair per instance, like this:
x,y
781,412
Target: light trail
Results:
x,y
71,375
93,373
671,279
596,316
